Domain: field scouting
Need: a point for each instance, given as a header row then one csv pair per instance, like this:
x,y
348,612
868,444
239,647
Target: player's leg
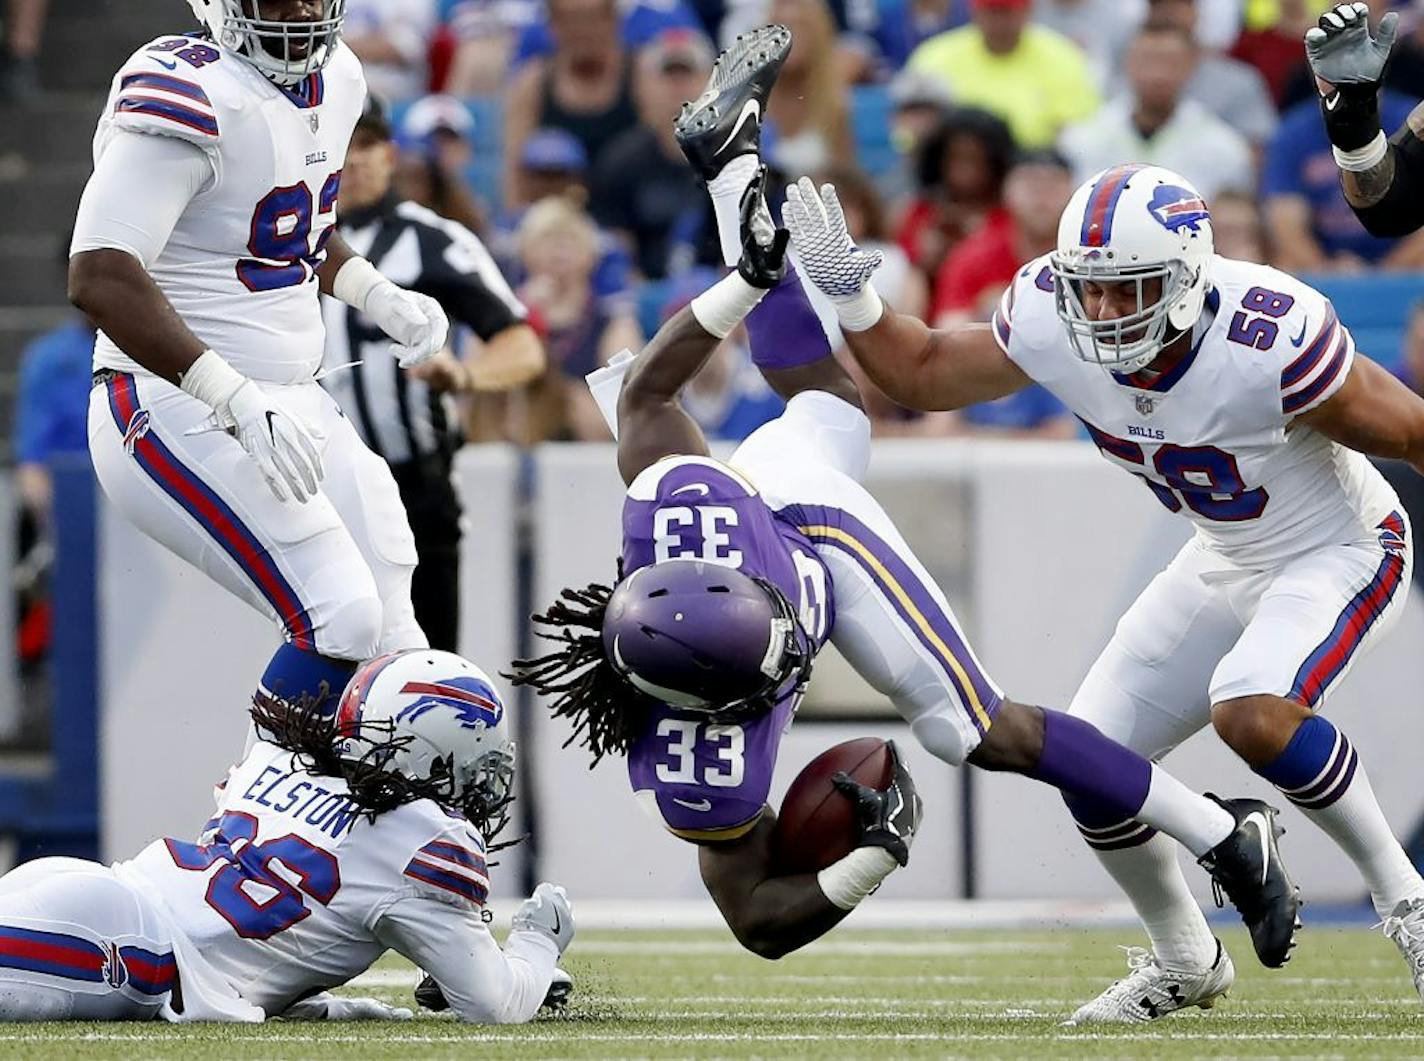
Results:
x,y
192,489
78,944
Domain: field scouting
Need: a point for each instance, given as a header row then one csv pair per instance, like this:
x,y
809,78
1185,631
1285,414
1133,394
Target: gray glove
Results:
x,y
1342,52
547,912
822,241
326,1006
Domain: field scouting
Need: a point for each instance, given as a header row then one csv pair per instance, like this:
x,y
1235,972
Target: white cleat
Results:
x,y
1405,925
1149,991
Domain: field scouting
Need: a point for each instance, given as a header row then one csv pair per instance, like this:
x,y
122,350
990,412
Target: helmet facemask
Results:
x,y
1131,342
285,52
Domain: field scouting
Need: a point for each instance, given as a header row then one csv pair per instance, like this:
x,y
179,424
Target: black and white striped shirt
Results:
x,y
394,413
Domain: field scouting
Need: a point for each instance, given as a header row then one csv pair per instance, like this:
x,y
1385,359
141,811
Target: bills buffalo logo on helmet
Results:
x,y
1176,208
473,701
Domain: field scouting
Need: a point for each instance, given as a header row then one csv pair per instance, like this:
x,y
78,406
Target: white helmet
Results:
x,y
1129,224
266,43
435,720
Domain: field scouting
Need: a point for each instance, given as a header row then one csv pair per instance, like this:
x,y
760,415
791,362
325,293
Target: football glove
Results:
x,y
326,1006
415,321
284,449
828,255
763,260
885,818
1343,53
547,912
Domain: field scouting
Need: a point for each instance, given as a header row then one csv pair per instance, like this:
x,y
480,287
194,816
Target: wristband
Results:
x,y
1367,157
861,311
722,306
355,281
847,882
211,380
1352,116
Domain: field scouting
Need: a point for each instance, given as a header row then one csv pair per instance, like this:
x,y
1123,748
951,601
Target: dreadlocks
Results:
x,y
305,728
606,710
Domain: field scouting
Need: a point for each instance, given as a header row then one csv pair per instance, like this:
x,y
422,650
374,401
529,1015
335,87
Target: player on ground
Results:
x,y
734,575
200,244
1236,395
329,846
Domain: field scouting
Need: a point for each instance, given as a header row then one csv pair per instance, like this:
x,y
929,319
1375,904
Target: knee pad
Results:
x,y
353,631
942,738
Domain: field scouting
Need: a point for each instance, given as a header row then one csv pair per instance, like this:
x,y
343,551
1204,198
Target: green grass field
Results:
x,y
854,994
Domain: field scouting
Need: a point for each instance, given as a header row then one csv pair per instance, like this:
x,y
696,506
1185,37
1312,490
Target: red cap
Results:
x,y
1016,5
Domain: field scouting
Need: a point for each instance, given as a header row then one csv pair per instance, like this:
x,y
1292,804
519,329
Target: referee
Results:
x,y
400,414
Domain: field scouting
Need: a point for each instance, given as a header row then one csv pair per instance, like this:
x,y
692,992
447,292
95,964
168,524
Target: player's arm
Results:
x,y
415,322
1383,180
1373,412
915,365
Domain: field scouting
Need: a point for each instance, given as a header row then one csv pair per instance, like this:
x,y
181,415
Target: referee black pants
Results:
x,y
434,514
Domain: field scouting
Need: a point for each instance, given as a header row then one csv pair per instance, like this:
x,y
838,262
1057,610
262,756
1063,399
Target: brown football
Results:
x,y
816,826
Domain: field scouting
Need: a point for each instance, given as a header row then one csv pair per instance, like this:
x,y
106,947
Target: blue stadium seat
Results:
x,y
870,111
1375,307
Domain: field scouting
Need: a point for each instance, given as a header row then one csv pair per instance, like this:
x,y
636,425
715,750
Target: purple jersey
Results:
x,y
710,780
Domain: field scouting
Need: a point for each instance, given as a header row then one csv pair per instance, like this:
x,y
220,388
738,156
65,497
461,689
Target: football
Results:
x,y
816,826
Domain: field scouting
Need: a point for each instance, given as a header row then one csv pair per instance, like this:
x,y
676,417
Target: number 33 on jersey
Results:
x,y
1215,438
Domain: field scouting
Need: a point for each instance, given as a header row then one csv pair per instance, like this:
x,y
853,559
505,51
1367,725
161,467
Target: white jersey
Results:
x,y
240,266
290,884
1216,438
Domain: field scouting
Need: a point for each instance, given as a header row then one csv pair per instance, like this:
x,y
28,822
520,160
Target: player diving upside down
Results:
x,y
733,576
328,847
1236,394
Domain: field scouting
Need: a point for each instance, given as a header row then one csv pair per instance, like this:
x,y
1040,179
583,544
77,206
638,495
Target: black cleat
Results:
x,y
725,121
1247,866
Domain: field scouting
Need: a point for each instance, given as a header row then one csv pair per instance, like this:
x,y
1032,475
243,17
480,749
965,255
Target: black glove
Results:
x,y
763,261
1342,52
429,996
886,818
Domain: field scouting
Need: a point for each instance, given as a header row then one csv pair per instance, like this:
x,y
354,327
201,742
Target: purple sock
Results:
x,y
784,330
1316,767
296,672
1102,782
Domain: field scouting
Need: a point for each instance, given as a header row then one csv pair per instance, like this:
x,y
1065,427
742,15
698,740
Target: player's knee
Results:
x,y
941,738
1014,741
1257,727
354,629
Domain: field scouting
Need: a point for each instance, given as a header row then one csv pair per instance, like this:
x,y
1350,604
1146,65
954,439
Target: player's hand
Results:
x,y
822,241
547,912
326,1006
1349,64
763,260
415,321
284,449
886,818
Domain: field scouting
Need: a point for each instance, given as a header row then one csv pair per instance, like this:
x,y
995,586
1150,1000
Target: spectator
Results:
x,y
960,178
639,21
920,103
643,188
888,31
19,58
1312,228
1410,364
433,169
392,40
808,102
1035,79
584,87
1237,228
1277,50
485,33
52,409
1102,28
1234,92
975,274
558,244
1152,122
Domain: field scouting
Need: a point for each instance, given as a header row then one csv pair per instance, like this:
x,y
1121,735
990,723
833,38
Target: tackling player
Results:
x,y
200,244
329,847
733,576
1236,395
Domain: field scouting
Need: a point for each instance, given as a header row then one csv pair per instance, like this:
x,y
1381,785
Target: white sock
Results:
x,y
1356,823
1191,819
1152,878
726,190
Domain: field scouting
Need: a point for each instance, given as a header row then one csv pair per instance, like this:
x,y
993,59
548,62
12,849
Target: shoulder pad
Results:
x,y
450,867
169,87
1033,280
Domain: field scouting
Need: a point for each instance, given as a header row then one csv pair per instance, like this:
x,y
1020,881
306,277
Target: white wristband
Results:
x,y
211,380
861,310
722,306
355,281
847,882
1363,158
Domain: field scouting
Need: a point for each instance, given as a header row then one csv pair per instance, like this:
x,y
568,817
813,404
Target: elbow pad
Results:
x,y
1401,211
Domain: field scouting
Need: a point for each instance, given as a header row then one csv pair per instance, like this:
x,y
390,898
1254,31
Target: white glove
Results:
x,y
326,1006
415,321
284,449
547,912
828,256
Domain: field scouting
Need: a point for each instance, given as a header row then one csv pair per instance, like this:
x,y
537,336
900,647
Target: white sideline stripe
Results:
x,y
827,947
534,1036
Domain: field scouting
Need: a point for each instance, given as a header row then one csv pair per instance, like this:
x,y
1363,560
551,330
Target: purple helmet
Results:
x,y
703,637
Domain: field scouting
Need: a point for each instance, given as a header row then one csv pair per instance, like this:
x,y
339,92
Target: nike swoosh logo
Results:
x,y
1332,101
164,63
750,109
700,488
557,923
1259,820
1301,337
271,416
702,804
